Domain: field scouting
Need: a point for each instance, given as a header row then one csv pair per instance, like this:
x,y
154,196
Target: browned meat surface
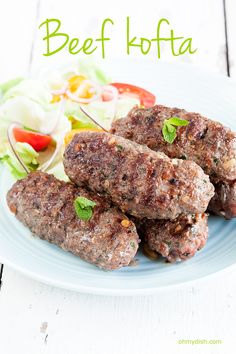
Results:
x,y
211,145
140,181
224,201
175,240
208,143
45,205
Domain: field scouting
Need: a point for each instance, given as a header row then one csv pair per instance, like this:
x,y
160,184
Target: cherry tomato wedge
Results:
x,y
147,99
38,141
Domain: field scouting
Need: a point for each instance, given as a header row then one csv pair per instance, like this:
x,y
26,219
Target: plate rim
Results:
x,y
117,291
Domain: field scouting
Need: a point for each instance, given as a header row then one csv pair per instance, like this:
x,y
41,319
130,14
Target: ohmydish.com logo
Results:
x,y
199,341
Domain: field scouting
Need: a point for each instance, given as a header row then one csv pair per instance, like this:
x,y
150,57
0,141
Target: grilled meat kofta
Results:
x,y
211,145
224,201
142,182
46,206
175,240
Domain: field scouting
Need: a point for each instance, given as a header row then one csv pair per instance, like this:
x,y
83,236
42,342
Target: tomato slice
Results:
x,y
147,99
38,141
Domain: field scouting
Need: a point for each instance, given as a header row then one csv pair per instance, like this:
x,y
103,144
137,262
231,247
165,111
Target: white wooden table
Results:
x,y
36,318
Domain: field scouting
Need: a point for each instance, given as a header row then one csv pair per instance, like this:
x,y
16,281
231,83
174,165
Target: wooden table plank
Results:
x,y
231,28
17,28
17,23
43,319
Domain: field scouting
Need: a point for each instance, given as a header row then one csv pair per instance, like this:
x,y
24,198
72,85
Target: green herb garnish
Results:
x,y
169,128
132,244
84,208
120,147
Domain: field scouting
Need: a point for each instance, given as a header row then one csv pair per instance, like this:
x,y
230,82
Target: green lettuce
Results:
x,y
34,90
13,166
93,72
103,112
27,104
28,155
6,86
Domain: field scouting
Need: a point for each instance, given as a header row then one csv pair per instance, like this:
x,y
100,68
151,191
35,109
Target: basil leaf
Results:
x,y
178,122
84,208
84,214
168,134
84,202
170,127
169,130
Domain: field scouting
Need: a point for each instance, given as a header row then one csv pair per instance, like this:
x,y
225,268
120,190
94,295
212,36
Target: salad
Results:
x,y
39,116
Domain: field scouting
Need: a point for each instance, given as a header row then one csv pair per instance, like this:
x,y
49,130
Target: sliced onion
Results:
x,y
61,110
75,96
111,89
44,167
48,163
115,93
11,141
60,91
77,99
96,88
83,109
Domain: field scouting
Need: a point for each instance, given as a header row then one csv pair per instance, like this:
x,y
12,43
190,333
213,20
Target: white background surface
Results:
x,y
36,318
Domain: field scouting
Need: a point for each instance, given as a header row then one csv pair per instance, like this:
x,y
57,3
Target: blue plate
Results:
x,y
174,85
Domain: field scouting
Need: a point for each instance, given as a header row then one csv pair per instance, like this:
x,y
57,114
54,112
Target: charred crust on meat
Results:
x,y
173,181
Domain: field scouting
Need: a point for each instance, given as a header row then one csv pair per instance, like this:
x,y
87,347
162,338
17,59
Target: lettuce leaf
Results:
x,y
55,79
58,171
103,112
89,69
6,86
16,171
27,154
33,115
34,90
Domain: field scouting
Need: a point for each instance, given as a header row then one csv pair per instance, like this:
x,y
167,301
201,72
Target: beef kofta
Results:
x,y
142,182
46,206
211,145
175,240
224,201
